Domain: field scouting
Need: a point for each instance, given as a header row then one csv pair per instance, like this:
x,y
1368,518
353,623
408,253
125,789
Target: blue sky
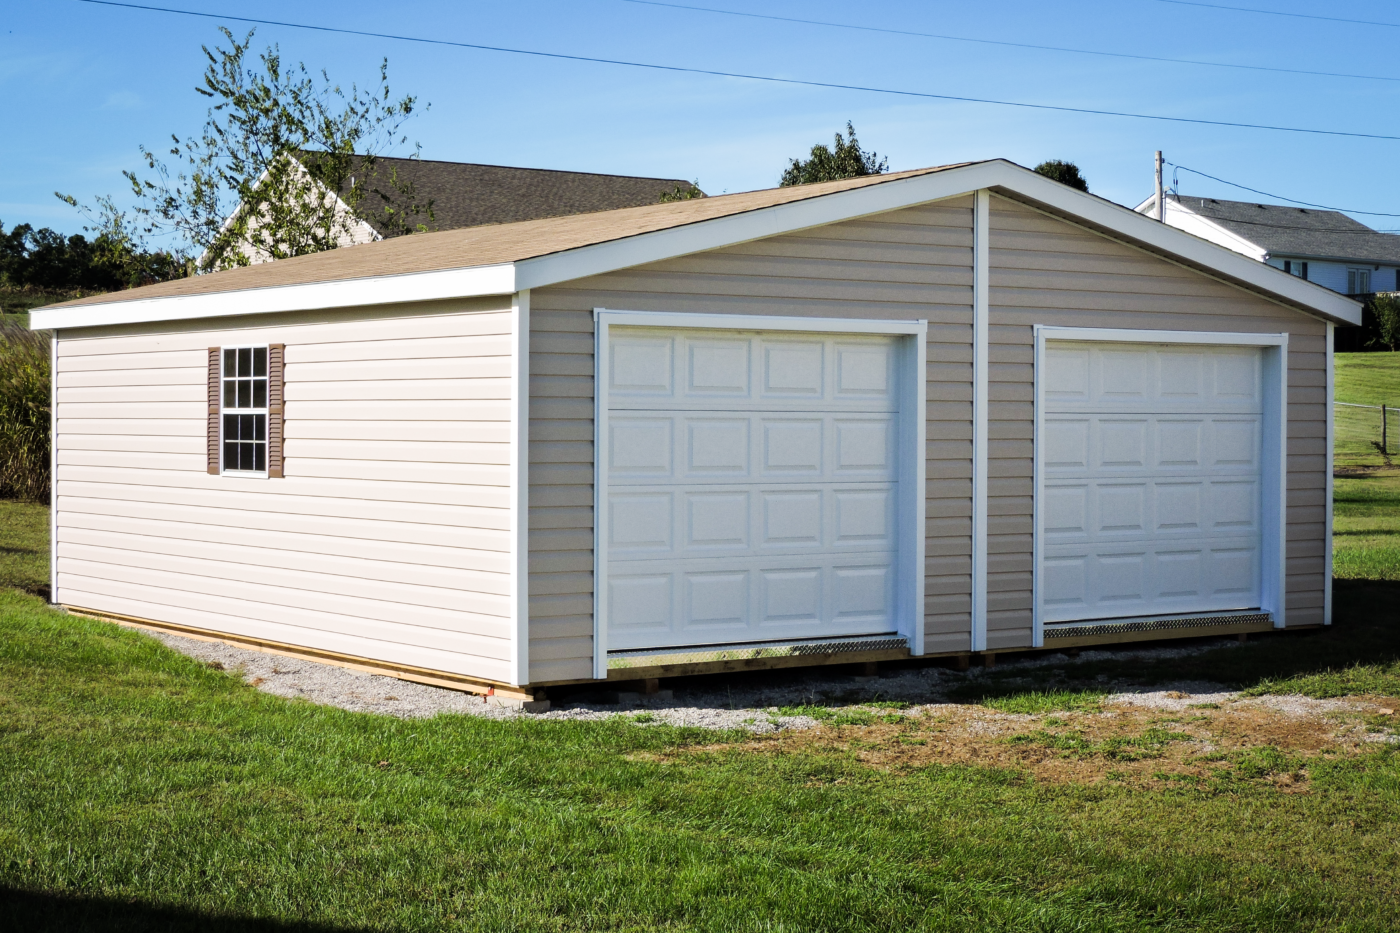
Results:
x,y
83,85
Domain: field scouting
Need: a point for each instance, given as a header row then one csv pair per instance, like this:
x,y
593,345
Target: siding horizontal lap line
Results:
x,y
277,521
240,565
234,501
124,577
493,476
380,647
473,579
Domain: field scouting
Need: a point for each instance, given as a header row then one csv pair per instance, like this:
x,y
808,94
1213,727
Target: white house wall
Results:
x,y
388,538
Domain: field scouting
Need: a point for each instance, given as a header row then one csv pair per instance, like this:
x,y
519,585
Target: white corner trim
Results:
x,y
602,366
981,349
1331,443
1274,458
53,467
912,533
386,289
520,487
1037,479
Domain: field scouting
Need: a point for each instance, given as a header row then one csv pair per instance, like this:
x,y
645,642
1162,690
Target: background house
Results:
x,y
1326,247
466,194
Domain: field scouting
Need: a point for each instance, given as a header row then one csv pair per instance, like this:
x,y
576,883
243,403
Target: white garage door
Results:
x,y
1151,486
752,484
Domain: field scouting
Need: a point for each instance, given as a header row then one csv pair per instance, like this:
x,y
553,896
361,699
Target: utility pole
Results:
x,y
1161,207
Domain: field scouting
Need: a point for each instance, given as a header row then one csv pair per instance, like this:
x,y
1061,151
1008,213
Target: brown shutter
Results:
x,y
212,427
276,352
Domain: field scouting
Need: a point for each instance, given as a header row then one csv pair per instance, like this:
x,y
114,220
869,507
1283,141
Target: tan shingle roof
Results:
x,y
486,245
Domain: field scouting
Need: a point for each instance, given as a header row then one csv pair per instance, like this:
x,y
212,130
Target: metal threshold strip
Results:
x,y
696,654
1154,623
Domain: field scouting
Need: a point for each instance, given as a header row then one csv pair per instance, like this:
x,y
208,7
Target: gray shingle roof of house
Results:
x,y
465,194
1297,231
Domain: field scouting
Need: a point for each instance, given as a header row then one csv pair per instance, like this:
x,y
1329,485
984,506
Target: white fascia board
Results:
x,y
387,289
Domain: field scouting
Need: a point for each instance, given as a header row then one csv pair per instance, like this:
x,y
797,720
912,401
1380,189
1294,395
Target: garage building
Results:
x,y
939,412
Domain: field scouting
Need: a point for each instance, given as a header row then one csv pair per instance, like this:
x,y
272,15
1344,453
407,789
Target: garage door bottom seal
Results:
x,y
651,657
1081,629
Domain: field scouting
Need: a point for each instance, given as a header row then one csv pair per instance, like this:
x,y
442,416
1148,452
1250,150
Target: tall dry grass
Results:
x,y
24,413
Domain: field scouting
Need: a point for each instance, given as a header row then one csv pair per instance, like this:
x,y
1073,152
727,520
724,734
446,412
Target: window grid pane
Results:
x,y
244,403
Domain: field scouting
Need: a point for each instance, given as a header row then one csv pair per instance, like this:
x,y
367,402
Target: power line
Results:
x,y
1245,9
751,77
1014,45
1344,210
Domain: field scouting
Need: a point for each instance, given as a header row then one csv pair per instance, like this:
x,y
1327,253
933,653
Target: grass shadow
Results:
x,y
35,911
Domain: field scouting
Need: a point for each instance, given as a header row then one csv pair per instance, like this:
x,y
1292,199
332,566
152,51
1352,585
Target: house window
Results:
x,y
1358,281
244,409
1294,267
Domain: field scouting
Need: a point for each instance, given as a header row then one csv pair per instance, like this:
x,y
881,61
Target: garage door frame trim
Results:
x,y
1273,462
913,425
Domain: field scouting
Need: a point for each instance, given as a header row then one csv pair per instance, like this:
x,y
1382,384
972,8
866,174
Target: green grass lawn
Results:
x,y
142,790
24,546
1366,497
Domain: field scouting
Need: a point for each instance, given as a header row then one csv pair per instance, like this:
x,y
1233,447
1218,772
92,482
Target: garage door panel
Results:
x,y
655,523
1128,580
1150,499
752,486
1168,508
1158,445
793,372
725,600
744,447
1129,378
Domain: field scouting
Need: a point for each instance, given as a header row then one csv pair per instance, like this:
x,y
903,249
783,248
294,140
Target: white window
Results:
x,y
1358,281
244,410
1296,267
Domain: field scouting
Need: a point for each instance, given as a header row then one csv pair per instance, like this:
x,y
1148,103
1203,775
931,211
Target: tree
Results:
x,y
682,192
1380,322
44,260
1066,173
845,159
286,165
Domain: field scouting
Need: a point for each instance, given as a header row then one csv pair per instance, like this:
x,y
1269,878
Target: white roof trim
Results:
x,y
387,289
636,250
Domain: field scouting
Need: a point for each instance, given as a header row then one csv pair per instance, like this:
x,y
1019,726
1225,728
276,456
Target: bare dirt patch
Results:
x,y
1183,738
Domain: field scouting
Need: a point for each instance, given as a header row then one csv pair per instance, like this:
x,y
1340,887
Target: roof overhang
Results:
x,y
1006,178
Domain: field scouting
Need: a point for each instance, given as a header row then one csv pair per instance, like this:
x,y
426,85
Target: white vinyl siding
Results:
x,y
388,537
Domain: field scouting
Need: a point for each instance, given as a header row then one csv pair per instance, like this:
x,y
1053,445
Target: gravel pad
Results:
x,y
755,703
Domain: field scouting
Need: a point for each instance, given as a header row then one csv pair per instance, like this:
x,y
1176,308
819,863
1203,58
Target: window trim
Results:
x,y
264,411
